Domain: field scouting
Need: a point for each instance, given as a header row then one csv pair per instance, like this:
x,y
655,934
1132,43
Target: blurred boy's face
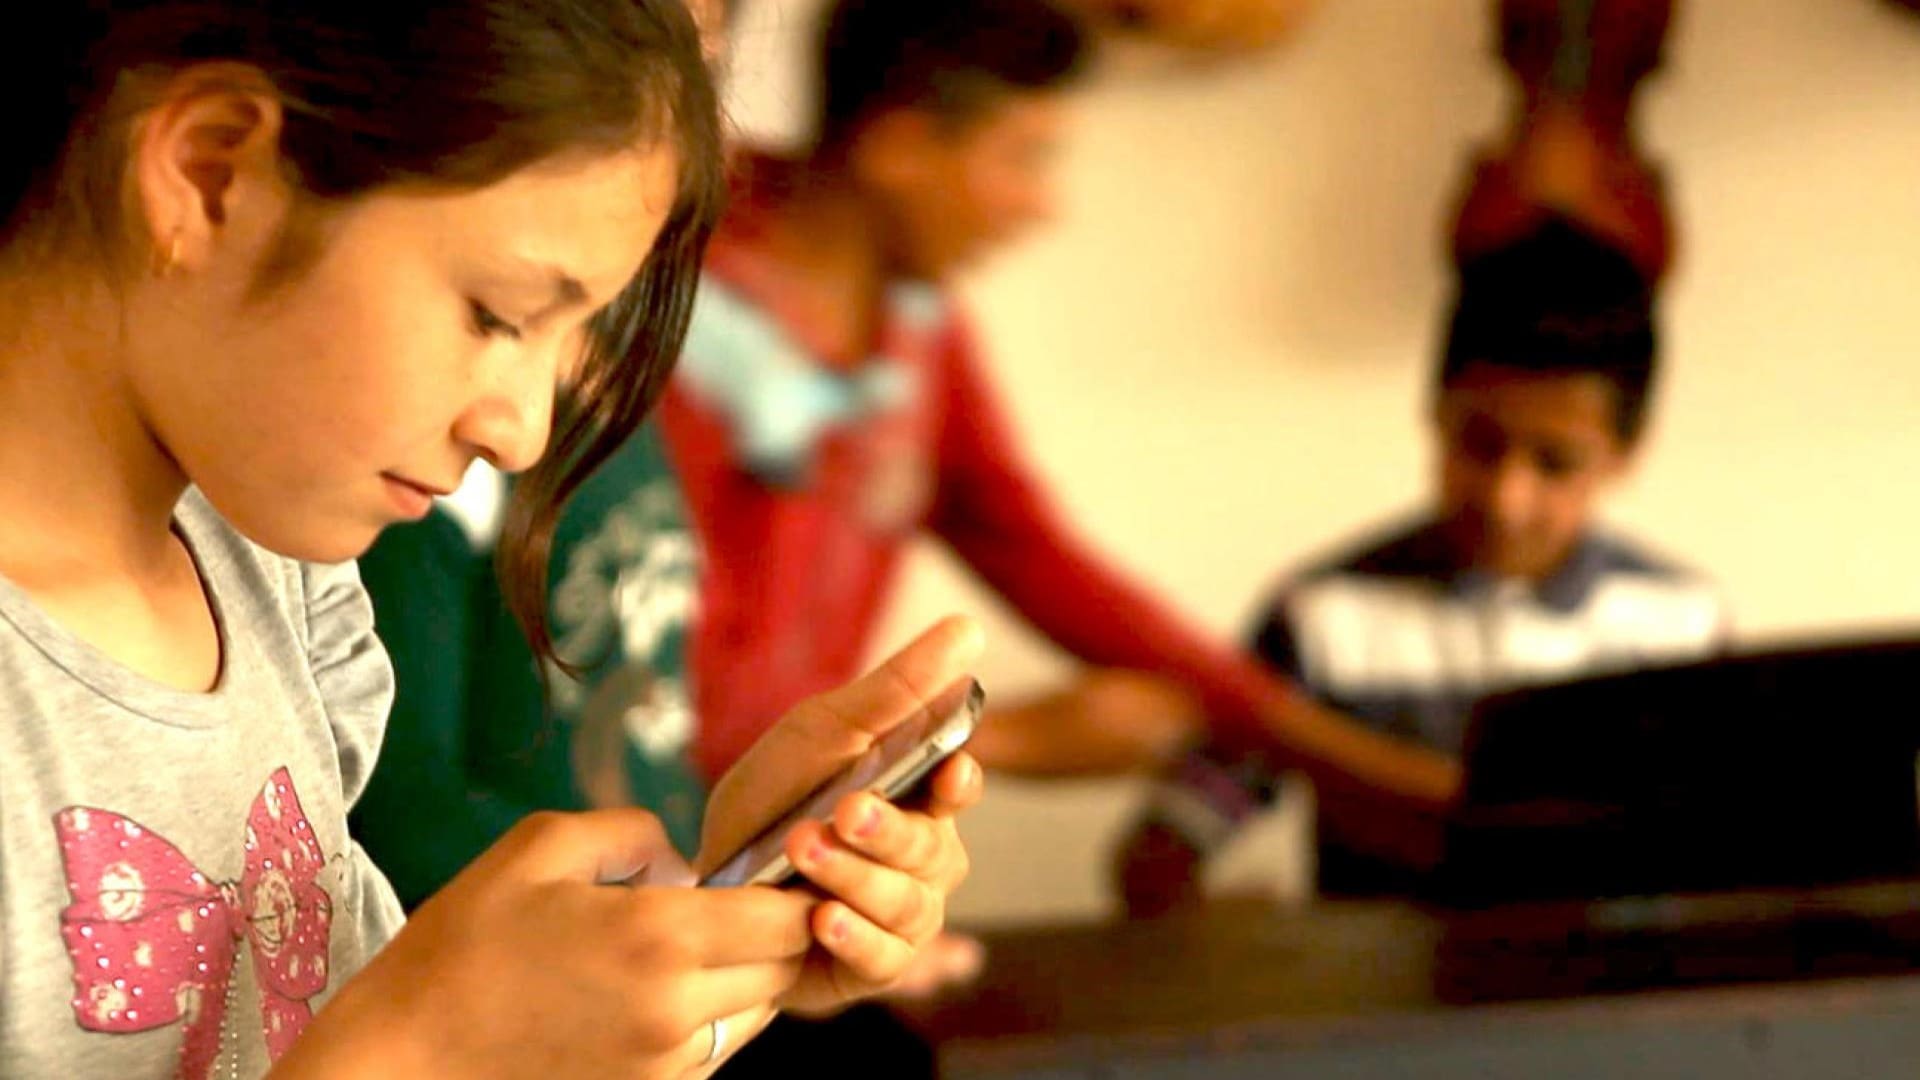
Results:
x,y
1522,459
955,192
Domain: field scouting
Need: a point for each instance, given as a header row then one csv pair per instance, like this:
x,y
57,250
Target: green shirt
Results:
x,y
470,749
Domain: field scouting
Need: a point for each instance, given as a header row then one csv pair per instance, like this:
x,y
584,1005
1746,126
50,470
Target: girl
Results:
x,y
272,275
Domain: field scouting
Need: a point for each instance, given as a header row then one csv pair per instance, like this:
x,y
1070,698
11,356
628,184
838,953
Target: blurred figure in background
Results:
x,y
1539,410
831,404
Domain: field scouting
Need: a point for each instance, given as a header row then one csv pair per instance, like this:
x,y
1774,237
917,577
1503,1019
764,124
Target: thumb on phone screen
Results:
x,y
821,735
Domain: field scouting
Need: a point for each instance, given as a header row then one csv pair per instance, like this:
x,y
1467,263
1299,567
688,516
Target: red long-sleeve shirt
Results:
x,y
799,562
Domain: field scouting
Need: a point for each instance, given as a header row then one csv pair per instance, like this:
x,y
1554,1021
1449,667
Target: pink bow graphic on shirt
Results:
x,y
153,941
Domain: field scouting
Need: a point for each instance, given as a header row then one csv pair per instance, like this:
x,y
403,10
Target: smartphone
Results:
x,y
892,768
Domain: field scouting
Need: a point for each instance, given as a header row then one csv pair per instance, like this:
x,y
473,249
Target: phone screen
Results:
x,y
891,767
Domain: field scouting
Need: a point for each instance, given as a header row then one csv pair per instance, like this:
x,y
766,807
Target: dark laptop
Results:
x,y
1745,818
1789,768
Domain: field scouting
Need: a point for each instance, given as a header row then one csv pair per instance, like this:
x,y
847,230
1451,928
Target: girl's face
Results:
x,y
426,330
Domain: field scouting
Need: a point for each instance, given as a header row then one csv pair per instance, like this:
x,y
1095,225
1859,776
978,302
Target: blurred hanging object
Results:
x,y
1198,26
1571,148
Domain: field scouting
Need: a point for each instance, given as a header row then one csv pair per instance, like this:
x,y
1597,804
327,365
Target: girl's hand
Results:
x,y
887,871
531,963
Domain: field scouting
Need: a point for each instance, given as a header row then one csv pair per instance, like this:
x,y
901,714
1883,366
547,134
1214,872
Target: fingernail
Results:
x,y
817,853
838,930
869,821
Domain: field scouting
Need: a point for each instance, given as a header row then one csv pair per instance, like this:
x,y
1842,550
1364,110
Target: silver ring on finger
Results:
x,y
719,1045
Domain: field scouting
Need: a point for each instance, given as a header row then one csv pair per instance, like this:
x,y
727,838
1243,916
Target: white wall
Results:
x,y
1218,357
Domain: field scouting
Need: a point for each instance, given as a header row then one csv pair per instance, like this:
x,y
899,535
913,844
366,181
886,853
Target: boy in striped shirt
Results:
x,y
1504,581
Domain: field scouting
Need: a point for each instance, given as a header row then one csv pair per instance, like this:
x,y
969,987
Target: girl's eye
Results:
x,y
487,324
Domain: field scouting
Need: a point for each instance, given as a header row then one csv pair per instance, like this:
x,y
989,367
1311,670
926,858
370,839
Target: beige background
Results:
x,y
1218,356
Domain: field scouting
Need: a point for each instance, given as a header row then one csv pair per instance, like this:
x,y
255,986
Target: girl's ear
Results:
x,y
206,155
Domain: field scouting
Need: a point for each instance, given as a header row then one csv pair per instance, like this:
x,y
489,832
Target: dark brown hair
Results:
x,y
951,57
455,93
1558,301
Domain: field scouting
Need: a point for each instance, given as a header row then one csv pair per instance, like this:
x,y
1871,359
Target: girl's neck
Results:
x,y
86,491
